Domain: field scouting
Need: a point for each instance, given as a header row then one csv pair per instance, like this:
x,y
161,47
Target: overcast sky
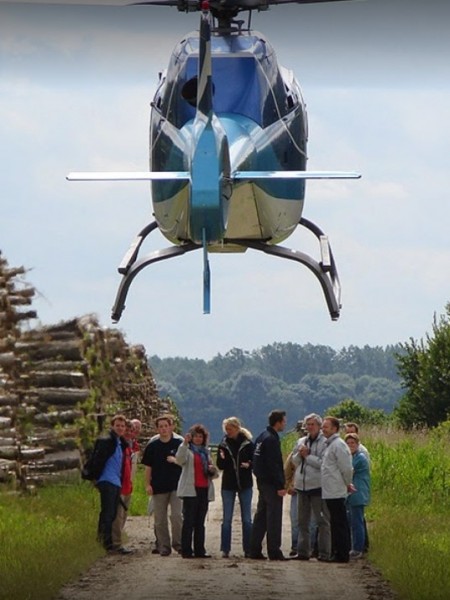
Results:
x,y
75,88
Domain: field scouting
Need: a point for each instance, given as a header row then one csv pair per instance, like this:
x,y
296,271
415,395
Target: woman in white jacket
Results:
x,y
196,489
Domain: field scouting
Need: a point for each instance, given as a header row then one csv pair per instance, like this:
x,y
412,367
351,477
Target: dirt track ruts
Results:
x,y
145,576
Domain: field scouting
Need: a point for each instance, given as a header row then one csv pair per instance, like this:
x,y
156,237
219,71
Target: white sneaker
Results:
x,y
354,555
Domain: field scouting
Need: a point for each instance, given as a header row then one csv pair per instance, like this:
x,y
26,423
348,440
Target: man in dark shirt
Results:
x,y
161,481
269,472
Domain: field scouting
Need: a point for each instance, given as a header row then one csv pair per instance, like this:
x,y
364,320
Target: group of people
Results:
x,y
329,483
326,476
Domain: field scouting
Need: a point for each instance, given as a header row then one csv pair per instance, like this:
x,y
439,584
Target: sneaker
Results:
x,y
293,553
354,555
225,555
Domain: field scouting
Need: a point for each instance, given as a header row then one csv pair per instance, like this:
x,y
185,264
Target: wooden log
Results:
x,y
57,417
26,454
7,411
8,432
5,423
68,379
9,452
42,335
66,476
28,292
15,317
69,350
75,366
61,396
7,470
28,412
19,301
7,343
13,272
57,461
8,359
42,432
57,443
73,325
9,399
7,441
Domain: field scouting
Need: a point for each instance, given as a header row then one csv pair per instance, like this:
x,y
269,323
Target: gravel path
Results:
x,y
145,576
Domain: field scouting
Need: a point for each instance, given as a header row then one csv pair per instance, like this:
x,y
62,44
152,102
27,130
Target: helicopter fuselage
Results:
x,y
228,135
259,123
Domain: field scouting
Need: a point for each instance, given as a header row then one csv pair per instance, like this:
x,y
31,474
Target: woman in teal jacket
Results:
x,y
359,497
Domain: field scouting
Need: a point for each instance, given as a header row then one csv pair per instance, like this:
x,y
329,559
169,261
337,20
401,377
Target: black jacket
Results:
x,y
104,448
268,460
236,451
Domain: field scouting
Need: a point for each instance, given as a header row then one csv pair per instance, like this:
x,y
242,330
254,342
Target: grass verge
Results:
x,y
46,540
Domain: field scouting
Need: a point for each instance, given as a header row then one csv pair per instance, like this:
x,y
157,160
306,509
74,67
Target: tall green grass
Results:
x,y
409,515
139,498
46,540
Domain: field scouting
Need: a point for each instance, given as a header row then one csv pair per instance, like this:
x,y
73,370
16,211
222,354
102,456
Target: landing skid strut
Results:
x,y
325,270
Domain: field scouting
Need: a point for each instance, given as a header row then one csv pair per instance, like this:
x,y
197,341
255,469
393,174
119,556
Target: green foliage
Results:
x,y
139,498
349,410
409,518
46,540
425,369
298,379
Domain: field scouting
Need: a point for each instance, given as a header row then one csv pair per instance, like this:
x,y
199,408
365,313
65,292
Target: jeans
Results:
x,y
109,499
356,518
245,503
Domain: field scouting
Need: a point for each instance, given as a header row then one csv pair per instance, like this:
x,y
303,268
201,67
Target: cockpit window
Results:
x,y
240,86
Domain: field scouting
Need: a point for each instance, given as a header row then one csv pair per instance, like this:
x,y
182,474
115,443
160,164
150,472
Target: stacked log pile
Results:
x,y
59,385
15,294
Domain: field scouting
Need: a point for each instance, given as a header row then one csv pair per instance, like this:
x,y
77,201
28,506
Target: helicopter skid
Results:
x,y
137,266
325,270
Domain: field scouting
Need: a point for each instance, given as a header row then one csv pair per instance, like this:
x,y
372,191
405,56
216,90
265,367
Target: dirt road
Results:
x,y
145,576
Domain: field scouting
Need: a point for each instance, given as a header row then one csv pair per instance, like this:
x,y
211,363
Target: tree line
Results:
x,y
297,378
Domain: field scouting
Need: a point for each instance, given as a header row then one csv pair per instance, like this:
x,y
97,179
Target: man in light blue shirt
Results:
x,y
108,463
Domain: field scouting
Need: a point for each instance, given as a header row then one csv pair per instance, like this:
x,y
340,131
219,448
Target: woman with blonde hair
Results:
x,y
234,458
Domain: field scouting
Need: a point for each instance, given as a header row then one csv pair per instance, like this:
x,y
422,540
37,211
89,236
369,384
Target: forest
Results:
x,y
297,378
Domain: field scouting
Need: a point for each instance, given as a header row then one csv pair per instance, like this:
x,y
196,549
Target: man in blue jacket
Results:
x,y
269,473
107,467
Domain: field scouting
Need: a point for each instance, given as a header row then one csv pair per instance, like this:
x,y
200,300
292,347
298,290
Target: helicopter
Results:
x,y
228,151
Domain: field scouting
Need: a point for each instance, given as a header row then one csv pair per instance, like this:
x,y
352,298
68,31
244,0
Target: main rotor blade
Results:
x,y
74,2
183,5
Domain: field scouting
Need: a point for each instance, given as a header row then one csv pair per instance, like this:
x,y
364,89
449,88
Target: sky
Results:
x,y
76,84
